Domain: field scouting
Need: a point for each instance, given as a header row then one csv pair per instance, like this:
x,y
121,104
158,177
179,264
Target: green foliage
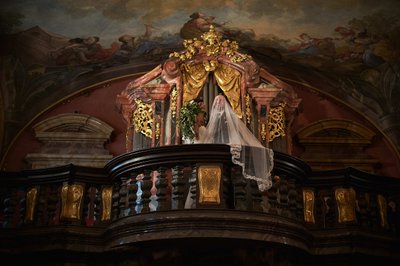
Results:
x,y
187,120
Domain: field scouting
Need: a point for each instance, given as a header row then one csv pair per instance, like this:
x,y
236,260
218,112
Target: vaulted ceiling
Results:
x,y
347,51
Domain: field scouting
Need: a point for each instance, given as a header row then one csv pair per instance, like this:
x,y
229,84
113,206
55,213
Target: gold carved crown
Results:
x,y
211,44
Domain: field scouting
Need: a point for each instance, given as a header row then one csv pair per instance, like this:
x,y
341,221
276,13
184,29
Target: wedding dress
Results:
x,y
225,127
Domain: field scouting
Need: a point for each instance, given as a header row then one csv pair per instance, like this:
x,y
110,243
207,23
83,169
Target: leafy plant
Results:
x,y
187,119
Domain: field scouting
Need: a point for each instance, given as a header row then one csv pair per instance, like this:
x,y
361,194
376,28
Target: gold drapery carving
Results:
x,y
308,202
194,78
106,197
209,177
346,204
229,81
227,78
31,196
71,198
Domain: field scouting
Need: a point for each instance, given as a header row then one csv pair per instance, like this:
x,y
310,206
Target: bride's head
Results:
x,y
219,103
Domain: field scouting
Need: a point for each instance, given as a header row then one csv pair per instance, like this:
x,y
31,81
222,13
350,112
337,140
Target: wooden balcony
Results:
x,y
172,203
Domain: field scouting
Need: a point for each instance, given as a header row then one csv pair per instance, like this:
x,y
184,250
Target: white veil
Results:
x,y
225,127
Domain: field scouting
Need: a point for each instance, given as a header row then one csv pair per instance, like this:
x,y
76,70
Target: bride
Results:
x,y
225,127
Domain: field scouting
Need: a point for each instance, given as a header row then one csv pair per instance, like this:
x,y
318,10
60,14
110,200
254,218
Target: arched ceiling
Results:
x,y
346,49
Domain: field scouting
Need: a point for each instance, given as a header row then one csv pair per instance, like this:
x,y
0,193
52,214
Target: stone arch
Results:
x,y
71,138
333,143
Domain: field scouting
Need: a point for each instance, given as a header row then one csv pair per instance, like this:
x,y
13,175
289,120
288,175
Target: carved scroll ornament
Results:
x,y
211,44
143,118
276,122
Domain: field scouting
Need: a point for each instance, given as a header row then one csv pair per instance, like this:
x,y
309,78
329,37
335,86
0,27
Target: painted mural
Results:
x,y
48,44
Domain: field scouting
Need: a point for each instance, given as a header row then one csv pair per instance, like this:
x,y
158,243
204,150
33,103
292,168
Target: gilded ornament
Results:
x,y
174,95
31,197
209,179
263,132
248,109
276,122
143,118
106,200
71,199
346,204
211,44
308,202
158,132
194,77
382,204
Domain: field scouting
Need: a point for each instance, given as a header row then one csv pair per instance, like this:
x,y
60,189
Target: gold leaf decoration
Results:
x,y
211,44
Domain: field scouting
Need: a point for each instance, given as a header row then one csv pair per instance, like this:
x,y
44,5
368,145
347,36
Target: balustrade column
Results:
x,y
239,188
292,195
273,199
115,202
146,185
283,197
193,186
123,199
256,196
162,188
178,187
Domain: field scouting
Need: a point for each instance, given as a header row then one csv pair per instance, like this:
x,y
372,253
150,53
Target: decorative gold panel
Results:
x,y
209,180
71,199
276,122
346,204
308,202
106,203
382,204
143,118
31,197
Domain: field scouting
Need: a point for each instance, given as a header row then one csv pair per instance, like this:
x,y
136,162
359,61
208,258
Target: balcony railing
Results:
x,y
195,191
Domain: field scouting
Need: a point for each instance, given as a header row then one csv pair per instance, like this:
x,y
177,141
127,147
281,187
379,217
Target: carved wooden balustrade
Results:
x,y
195,191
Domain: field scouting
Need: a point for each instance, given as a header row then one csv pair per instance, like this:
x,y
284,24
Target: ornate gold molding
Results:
x,y
209,180
276,122
143,118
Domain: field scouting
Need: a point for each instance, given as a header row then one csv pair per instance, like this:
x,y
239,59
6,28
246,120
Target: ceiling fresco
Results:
x,y
47,44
